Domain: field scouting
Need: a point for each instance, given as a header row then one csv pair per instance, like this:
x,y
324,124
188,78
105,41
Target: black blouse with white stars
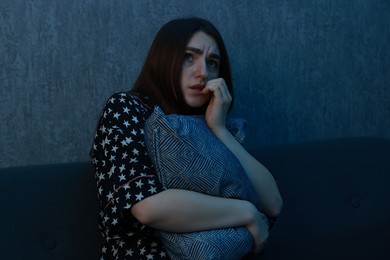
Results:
x,y
124,176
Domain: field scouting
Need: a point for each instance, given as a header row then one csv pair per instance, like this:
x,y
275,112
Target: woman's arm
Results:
x,y
187,211
262,180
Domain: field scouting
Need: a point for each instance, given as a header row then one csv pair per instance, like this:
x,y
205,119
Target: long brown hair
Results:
x,y
160,76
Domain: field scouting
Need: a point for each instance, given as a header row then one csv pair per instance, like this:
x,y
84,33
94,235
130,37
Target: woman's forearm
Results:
x,y
187,211
262,180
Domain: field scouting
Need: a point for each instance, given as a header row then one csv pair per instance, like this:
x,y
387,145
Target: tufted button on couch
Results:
x,y
336,204
49,212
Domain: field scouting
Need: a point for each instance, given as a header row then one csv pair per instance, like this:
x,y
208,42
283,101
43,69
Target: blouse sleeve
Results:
x,y
124,172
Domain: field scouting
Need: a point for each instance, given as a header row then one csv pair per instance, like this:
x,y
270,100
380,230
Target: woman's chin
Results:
x,y
197,102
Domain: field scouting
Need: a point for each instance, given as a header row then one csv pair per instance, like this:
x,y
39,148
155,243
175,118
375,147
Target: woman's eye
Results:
x,y
188,57
213,64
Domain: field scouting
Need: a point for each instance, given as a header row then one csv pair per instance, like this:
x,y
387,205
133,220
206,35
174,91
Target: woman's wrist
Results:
x,y
221,132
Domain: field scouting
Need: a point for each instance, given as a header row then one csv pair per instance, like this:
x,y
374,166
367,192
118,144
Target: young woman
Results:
x,y
186,72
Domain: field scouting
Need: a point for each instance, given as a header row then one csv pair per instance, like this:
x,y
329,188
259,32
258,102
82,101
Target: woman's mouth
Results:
x,y
199,86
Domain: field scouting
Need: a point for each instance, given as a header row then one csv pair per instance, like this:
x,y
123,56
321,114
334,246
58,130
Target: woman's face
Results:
x,y
201,64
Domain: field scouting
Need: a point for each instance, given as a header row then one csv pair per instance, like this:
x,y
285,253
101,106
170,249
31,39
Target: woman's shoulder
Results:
x,y
130,100
123,97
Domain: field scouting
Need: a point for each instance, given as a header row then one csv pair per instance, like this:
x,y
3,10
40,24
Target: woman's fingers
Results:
x,y
219,90
219,103
259,232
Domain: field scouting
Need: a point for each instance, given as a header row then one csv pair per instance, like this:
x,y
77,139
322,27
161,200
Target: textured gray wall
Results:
x,y
303,70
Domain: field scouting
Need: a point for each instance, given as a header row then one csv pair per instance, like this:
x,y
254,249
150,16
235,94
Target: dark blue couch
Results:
x,y
336,194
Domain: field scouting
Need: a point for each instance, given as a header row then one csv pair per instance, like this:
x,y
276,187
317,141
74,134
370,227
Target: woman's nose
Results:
x,y
201,69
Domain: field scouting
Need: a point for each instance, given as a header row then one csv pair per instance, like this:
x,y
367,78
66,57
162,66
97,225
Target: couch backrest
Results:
x,y
49,212
336,196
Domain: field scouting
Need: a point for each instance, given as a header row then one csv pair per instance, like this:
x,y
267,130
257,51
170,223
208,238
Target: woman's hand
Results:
x,y
218,107
259,232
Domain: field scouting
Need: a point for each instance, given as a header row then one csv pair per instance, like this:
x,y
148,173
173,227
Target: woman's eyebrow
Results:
x,y
196,50
200,52
213,55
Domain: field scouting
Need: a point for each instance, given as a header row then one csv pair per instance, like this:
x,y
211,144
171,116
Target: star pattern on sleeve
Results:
x,y
124,175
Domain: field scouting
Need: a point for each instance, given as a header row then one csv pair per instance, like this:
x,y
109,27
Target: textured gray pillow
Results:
x,y
187,155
